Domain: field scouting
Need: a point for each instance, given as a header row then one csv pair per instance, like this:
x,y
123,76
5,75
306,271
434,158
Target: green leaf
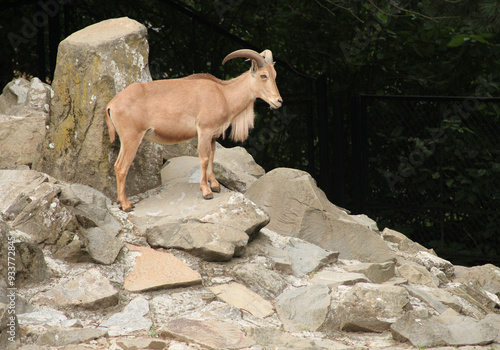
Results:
x,y
480,38
458,40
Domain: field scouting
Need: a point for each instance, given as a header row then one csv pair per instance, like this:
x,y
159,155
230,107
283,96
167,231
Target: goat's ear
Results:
x,y
254,68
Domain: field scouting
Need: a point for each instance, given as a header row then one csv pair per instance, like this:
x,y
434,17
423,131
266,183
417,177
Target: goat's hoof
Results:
x,y
208,196
127,207
215,189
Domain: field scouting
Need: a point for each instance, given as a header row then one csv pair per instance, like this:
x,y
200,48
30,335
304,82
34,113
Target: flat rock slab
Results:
x,y
214,335
215,230
303,308
334,279
210,241
243,298
60,337
376,272
417,274
300,258
90,290
449,328
154,270
130,320
14,183
49,318
184,200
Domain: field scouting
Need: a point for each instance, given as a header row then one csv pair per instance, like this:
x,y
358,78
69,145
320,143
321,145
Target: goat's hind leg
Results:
x,y
214,184
128,150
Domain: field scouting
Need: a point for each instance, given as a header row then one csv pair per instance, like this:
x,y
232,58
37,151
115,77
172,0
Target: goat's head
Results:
x,y
263,75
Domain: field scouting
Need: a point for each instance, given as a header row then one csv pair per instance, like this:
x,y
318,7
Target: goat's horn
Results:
x,y
261,61
268,56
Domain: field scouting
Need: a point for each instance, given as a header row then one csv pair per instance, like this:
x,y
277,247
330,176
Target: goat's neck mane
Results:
x,y
208,76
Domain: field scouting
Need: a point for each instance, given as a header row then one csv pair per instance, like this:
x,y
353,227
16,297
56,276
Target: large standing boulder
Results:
x,y
93,65
298,208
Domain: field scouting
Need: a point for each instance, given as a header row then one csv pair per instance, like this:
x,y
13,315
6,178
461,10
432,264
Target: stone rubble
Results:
x,y
269,263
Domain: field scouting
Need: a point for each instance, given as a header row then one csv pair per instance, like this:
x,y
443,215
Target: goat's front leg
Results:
x,y
214,184
204,150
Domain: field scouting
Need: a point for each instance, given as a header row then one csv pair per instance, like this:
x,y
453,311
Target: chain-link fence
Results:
x,y
430,168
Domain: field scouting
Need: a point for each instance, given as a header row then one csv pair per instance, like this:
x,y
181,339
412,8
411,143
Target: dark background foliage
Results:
x,y
329,53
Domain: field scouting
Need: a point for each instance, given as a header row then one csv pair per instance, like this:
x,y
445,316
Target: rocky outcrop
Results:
x,y
233,167
93,65
298,208
24,107
266,282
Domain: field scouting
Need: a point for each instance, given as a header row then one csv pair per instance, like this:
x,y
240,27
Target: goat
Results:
x,y
176,110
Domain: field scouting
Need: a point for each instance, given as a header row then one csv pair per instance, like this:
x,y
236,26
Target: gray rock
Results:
x,y
310,216
185,201
333,279
141,343
473,293
303,308
62,337
89,215
130,320
76,146
439,299
261,280
234,168
168,307
488,276
403,245
215,229
78,193
14,96
430,260
9,326
44,317
187,148
40,214
211,334
30,265
23,109
363,219
243,298
101,245
447,329
301,257
426,298
91,290
417,274
370,307
210,241
494,321
15,184
272,338
376,272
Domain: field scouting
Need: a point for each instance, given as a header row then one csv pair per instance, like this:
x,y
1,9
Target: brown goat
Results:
x,y
176,110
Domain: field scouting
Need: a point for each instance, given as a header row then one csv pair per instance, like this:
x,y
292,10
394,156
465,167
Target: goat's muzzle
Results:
x,y
276,103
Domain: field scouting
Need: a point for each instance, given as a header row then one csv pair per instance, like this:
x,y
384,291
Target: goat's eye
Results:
x,y
263,77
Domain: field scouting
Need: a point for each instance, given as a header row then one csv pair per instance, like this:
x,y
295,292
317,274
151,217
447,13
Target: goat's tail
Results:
x,y
111,126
